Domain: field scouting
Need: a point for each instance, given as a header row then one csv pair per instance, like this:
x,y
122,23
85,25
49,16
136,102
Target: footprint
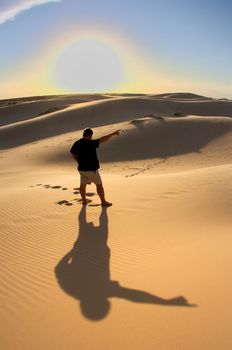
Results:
x,y
64,202
53,187
90,194
64,189
168,195
35,185
80,200
172,193
76,192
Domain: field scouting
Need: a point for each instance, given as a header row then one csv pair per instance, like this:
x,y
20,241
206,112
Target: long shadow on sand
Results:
x,y
84,273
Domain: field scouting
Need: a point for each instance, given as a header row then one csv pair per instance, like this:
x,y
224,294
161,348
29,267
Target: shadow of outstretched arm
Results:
x,y
139,296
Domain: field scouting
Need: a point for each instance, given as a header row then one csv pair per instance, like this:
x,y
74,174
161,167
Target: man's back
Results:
x,y
85,150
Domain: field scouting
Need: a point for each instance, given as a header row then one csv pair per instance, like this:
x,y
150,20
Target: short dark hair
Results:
x,y
88,132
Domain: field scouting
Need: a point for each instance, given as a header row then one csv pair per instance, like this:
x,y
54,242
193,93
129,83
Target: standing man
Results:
x,y
84,152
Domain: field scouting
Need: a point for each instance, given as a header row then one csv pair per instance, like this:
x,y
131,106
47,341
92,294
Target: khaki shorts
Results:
x,y
87,177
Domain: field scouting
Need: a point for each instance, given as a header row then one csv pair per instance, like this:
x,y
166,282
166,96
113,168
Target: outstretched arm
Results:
x,y
107,137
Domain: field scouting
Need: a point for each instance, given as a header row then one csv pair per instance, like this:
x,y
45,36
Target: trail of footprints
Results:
x,y
64,201
146,168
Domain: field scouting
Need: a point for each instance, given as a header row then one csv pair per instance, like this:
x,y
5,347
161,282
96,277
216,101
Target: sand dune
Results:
x,y
182,95
14,111
149,272
103,112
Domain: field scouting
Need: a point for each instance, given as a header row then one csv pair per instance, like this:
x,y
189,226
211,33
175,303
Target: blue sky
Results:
x,y
149,46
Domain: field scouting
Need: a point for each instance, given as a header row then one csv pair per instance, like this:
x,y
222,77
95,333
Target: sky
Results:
x,y
135,46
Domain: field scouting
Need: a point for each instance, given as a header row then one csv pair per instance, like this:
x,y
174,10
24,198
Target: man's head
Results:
x,y
88,133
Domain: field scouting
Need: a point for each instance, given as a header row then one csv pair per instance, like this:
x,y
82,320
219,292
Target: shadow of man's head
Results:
x,y
95,309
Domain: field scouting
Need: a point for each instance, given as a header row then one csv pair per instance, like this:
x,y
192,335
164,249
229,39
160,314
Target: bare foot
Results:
x,y
106,204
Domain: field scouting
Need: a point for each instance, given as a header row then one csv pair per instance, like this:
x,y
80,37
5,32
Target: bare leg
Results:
x,y
101,193
83,193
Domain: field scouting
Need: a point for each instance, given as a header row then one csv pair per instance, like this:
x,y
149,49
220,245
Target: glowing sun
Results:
x,y
89,65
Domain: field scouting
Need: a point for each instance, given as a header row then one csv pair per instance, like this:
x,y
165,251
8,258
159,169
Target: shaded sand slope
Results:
x,y
166,138
104,112
148,138
147,143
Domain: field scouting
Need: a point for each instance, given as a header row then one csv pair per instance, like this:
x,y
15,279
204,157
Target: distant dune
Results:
x,y
16,110
182,95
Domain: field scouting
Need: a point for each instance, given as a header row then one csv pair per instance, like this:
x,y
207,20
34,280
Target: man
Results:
x,y
84,152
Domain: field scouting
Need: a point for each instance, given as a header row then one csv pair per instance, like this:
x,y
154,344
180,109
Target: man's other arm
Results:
x,y
107,137
75,157
73,151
